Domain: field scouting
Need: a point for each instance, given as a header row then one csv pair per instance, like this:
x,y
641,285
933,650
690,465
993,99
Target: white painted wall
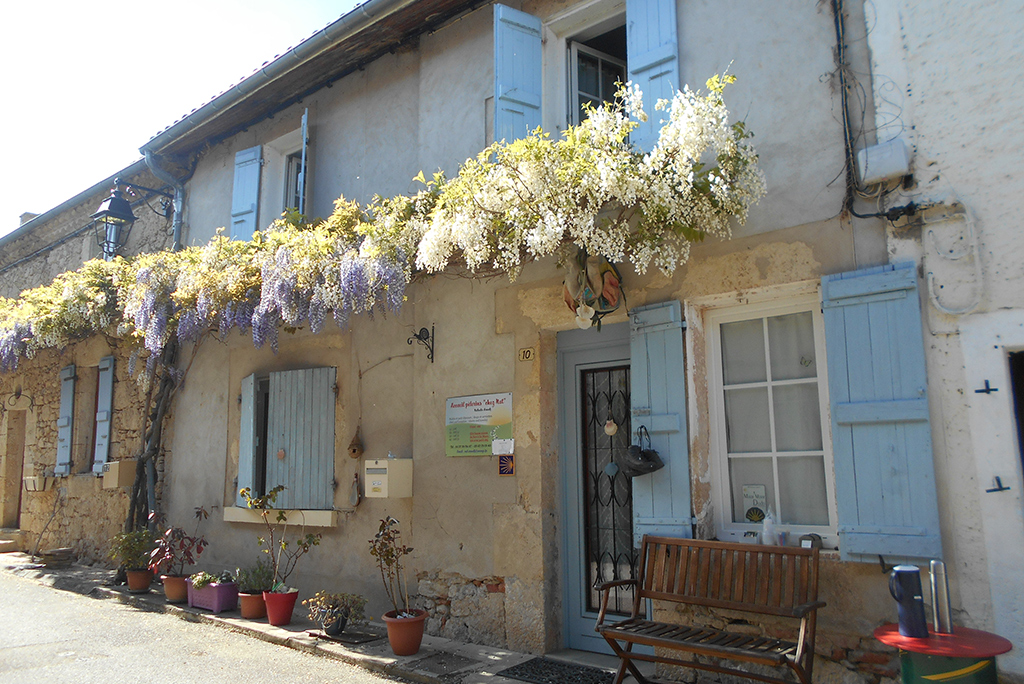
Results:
x,y
986,339
944,75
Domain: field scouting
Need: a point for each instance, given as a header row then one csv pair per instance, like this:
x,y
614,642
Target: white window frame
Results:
x,y
278,191
728,530
293,176
575,48
590,18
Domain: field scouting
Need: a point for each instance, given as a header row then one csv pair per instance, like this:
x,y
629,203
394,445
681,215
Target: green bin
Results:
x,y
920,668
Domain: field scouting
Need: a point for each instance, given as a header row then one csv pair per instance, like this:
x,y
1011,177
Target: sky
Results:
x,y
84,84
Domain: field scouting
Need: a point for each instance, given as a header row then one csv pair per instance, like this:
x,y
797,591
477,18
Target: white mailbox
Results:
x,y
388,478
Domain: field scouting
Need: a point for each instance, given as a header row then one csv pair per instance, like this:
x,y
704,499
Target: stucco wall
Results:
x,y
426,107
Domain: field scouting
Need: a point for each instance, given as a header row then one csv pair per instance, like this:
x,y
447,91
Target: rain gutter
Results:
x,y
179,196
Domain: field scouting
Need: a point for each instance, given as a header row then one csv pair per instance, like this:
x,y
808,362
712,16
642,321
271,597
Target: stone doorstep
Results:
x,y
9,546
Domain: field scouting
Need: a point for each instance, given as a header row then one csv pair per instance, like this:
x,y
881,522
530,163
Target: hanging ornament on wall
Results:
x,y
592,288
610,427
355,447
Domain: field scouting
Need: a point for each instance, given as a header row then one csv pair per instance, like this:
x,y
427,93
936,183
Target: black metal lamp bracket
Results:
x,y
426,338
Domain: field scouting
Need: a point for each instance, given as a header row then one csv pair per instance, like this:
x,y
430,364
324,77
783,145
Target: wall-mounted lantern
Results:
x,y
113,222
114,219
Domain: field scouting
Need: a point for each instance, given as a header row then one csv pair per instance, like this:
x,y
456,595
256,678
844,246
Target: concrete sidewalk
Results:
x,y
440,661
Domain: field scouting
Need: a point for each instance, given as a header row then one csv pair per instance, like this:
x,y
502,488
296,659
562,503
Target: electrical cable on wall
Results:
x,y
949,255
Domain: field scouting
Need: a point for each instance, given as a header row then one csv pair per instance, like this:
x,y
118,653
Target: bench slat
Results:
x,y
671,567
768,651
775,598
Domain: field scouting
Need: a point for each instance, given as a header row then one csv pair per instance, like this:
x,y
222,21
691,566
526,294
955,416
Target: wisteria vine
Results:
x,y
518,201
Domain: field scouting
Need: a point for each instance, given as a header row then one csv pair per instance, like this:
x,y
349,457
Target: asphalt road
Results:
x,y
49,636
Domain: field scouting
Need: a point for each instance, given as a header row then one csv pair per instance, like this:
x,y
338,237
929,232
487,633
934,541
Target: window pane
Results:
x,y
791,340
746,420
797,417
587,74
610,74
743,352
750,471
802,488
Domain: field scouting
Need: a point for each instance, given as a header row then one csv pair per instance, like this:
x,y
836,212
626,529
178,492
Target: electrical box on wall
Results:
x,y
388,478
885,162
119,474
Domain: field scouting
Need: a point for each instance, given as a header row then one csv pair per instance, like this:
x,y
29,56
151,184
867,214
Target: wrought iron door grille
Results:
x,y
607,495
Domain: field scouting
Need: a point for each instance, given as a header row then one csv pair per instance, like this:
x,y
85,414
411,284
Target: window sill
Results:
x,y
309,518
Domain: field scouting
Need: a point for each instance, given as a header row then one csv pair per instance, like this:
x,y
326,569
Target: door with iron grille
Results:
x,y
597,510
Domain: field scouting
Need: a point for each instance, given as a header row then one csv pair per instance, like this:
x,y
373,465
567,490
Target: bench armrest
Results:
x,y
606,589
605,586
802,610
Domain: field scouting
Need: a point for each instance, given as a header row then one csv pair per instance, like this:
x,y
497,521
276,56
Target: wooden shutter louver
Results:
x,y
65,420
878,389
104,414
661,500
652,49
517,73
245,197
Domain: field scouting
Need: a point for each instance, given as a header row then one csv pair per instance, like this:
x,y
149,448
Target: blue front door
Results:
x,y
594,393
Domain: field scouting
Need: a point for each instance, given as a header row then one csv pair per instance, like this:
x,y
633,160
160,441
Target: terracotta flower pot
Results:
x,y
280,606
139,580
405,633
175,589
252,606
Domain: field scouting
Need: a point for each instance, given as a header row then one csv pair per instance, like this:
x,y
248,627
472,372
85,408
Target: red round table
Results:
x,y
966,656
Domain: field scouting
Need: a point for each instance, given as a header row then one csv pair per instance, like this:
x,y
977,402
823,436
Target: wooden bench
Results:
x,y
760,580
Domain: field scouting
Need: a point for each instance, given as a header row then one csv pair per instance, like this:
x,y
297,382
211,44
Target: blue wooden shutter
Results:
x,y
247,439
65,420
652,54
104,413
245,198
302,168
878,389
301,422
661,500
517,73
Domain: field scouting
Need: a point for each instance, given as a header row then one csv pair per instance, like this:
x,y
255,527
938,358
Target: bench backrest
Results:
x,y
763,579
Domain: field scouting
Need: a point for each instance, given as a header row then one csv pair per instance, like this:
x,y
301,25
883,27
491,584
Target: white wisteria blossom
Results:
x,y
522,200
589,192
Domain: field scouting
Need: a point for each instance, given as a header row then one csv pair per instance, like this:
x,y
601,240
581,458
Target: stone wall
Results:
x,y
60,244
75,511
462,608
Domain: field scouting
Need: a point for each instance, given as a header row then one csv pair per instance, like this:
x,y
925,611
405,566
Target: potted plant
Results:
x,y
405,625
284,555
131,550
176,550
252,582
212,592
334,611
